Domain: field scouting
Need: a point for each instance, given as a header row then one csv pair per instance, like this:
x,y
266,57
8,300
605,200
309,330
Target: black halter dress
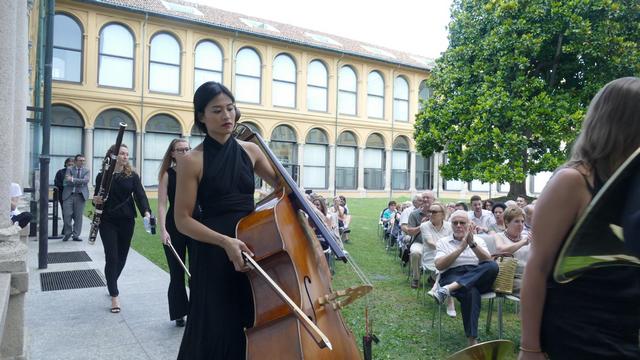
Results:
x,y
221,298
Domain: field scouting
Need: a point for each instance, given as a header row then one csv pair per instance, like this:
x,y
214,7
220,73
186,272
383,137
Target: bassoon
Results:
x,y
108,167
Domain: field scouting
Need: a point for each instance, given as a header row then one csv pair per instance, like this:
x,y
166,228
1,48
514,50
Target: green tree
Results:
x,y
510,92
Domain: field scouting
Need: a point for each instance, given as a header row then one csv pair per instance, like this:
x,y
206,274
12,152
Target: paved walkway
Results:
x,y
77,324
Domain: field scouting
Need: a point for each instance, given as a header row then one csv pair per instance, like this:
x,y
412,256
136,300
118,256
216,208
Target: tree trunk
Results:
x,y
516,189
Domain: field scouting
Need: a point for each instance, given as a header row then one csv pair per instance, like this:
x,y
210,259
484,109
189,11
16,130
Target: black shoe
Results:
x,y
66,238
180,322
77,239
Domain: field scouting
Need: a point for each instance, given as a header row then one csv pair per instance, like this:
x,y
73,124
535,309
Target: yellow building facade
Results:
x,y
338,113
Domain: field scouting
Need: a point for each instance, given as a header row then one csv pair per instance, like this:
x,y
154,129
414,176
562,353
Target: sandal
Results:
x,y
115,309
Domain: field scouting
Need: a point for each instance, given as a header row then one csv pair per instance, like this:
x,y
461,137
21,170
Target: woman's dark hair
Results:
x,y
205,93
498,205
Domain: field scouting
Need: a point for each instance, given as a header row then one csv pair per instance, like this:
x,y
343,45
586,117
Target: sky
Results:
x,y
414,26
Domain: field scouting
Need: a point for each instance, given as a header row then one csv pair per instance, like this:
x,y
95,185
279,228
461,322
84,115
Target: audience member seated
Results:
x,y
528,217
388,219
513,240
431,231
404,221
498,211
343,222
521,201
416,218
482,218
467,271
461,205
19,219
487,205
510,203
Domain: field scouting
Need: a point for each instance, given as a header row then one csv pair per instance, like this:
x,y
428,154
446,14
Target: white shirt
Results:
x,y
16,191
431,234
485,220
404,216
447,245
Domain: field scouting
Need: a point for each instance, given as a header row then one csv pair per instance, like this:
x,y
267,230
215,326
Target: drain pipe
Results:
x,y
43,235
335,139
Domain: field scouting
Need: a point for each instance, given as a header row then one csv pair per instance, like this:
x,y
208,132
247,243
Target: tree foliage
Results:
x,y
511,90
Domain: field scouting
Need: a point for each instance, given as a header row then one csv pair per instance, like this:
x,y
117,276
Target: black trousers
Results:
x,y
22,219
177,293
475,280
116,239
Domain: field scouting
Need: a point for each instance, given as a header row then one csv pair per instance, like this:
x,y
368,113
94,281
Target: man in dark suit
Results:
x,y
74,194
58,181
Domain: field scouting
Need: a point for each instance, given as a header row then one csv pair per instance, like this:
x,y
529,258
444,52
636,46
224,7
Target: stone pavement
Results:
x,y
77,324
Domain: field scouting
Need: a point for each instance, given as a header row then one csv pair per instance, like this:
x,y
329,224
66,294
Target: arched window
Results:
x,y
375,95
284,146
374,161
248,76
196,137
158,133
347,161
316,156
400,164
283,92
164,64
67,49
256,179
105,131
347,91
424,172
66,137
317,83
424,93
400,99
208,64
115,57
477,185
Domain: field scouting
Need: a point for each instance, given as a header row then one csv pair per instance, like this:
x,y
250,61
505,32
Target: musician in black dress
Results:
x,y
218,174
177,293
596,315
118,219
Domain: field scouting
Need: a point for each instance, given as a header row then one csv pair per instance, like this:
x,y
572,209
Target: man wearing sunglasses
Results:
x,y
467,270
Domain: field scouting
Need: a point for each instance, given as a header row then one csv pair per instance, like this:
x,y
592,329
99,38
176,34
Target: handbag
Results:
x,y
506,275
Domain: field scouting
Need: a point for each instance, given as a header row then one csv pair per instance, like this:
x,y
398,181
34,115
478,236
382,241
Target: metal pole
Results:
x,y
43,240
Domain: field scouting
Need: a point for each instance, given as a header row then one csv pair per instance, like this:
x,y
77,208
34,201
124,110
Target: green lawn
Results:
x,y
400,320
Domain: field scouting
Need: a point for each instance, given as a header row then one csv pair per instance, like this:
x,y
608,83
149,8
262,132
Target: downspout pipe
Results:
x,y
43,234
335,138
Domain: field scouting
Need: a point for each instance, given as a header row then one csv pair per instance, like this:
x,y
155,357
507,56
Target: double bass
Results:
x,y
297,314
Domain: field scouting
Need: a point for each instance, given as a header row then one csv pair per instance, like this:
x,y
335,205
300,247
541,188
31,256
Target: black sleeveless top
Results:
x,y
595,316
221,299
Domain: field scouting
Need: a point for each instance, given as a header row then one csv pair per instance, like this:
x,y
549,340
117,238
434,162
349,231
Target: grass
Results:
x,y
400,320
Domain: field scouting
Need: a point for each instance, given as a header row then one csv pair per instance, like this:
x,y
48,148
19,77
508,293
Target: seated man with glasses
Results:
x,y
467,270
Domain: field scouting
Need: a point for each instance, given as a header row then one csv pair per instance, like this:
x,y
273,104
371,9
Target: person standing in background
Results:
x,y
58,181
75,193
169,234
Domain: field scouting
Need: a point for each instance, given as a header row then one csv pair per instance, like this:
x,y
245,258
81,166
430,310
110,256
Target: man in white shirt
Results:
x,y
467,271
482,218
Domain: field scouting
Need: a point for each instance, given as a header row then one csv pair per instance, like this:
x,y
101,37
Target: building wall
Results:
x,y
90,99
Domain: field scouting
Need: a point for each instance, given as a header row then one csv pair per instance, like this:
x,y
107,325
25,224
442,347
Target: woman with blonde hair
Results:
x,y
597,315
512,240
169,234
118,218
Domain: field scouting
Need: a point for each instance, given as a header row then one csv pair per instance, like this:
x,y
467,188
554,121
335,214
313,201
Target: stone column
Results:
x,y
21,94
387,169
88,154
139,152
7,103
412,172
332,168
13,261
361,170
300,163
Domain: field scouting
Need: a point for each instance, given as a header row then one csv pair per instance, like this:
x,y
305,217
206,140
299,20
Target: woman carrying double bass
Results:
x,y
219,175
